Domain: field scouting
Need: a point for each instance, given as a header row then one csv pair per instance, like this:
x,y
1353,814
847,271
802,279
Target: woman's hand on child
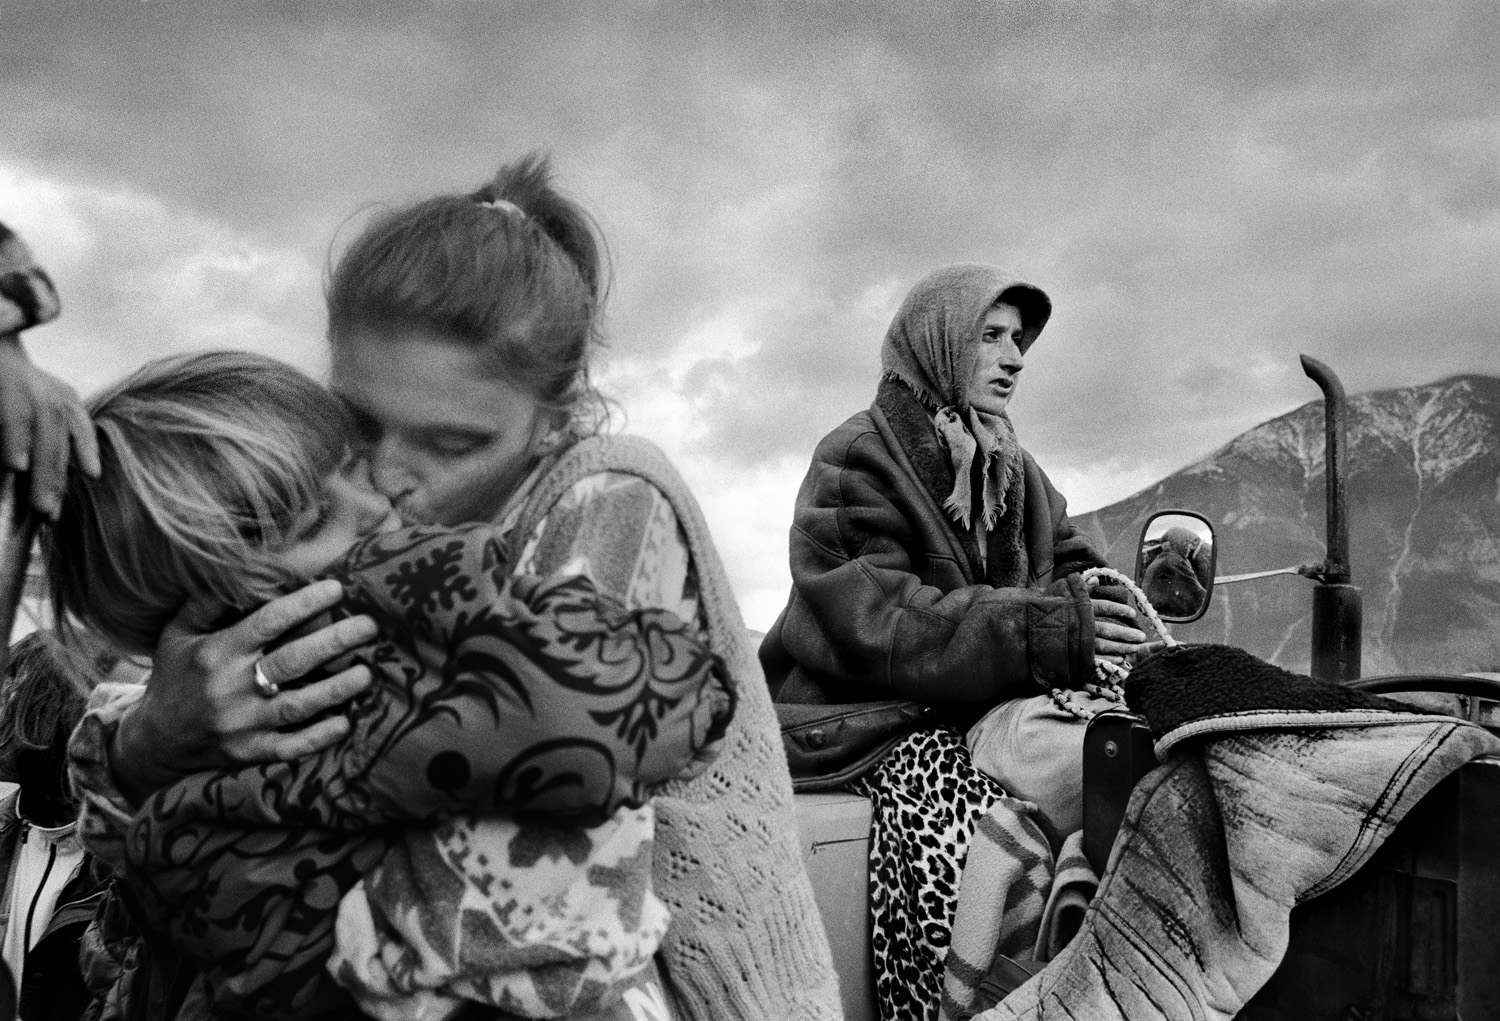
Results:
x,y
202,710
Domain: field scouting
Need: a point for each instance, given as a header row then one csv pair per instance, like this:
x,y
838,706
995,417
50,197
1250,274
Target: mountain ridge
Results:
x,y
1422,473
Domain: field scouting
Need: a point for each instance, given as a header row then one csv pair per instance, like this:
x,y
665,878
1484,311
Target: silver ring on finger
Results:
x,y
263,684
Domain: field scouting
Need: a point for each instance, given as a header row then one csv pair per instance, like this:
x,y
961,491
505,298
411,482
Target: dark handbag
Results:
x,y
827,746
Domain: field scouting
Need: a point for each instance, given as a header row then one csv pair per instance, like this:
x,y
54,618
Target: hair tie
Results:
x,y
505,206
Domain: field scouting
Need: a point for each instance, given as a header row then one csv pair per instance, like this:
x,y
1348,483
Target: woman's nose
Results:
x,y
390,469
1011,357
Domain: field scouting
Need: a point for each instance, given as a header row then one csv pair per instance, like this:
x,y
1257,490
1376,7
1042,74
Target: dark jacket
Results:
x,y
891,601
52,988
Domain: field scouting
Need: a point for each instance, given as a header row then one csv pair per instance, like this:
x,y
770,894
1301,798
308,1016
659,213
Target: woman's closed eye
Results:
x,y
452,445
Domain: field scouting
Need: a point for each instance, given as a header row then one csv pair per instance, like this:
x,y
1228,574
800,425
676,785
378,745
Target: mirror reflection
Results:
x,y
1175,565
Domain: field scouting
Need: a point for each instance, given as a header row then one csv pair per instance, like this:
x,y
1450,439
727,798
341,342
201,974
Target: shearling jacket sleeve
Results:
x,y
882,605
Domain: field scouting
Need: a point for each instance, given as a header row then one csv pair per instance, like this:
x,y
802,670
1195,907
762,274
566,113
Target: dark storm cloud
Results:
x,y
1204,190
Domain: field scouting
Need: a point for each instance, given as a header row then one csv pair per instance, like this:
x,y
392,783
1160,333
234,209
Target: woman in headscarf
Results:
x,y
933,562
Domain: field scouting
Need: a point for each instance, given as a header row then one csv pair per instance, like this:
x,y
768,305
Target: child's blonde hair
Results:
x,y
207,460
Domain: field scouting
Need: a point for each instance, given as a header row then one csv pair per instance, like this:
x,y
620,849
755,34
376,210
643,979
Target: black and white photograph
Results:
x,y
743,510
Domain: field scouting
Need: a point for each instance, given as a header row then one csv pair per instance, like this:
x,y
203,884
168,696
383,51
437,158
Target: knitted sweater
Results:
x,y
746,941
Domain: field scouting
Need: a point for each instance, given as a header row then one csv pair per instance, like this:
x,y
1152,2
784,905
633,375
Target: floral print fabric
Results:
x,y
573,930
541,921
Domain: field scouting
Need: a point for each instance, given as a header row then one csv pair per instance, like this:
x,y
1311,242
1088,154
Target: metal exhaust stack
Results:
x,y
1338,611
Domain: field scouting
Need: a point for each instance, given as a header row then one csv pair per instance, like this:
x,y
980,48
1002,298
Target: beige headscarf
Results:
x,y
932,346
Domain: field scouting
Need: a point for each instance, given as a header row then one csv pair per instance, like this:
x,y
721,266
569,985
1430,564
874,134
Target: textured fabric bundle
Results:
x,y
1034,749
927,800
1073,887
27,296
1290,788
1214,689
931,347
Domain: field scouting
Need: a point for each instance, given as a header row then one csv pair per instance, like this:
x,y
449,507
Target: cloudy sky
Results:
x,y
1204,189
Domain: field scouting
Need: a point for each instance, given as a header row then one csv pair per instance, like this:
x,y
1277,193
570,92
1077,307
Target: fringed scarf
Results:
x,y
931,346
991,438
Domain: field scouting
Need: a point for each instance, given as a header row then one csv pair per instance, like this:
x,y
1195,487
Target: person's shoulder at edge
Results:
x,y
603,468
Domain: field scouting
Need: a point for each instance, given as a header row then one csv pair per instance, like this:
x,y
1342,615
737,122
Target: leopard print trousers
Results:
x,y
928,798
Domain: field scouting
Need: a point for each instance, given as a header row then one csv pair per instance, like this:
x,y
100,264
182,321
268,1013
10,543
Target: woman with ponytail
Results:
x,y
461,330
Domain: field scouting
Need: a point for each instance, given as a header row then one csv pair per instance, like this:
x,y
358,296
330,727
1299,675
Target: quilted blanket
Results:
x,y
1275,788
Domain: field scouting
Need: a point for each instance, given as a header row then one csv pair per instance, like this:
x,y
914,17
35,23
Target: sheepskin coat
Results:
x,y
891,600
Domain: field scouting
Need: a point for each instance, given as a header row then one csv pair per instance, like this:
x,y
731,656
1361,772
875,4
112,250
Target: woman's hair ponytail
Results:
x,y
527,185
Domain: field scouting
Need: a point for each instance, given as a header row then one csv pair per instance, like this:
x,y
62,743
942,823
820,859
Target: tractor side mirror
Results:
x,y
1175,564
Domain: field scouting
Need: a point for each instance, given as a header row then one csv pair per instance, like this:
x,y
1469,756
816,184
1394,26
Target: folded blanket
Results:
x,y
1017,908
1001,900
1073,887
1276,788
